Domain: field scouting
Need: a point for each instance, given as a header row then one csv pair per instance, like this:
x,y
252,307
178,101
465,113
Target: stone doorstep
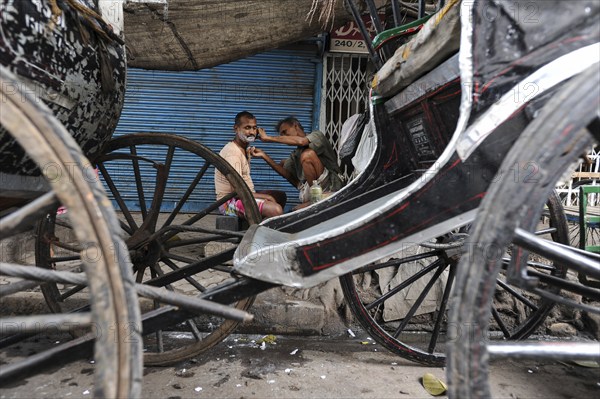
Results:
x,y
274,313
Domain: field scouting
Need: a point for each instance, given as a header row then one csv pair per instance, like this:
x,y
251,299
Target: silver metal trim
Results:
x,y
270,255
465,61
546,350
522,93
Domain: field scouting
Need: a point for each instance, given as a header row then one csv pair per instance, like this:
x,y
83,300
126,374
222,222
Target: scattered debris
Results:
x,y
433,385
269,339
271,382
294,352
351,333
263,346
288,371
198,389
185,373
255,375
221,381
86,392
323,377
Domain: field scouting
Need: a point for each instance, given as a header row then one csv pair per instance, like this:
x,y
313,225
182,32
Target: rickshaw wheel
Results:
x,y
116,321
592,231
556,138
403,303
172,227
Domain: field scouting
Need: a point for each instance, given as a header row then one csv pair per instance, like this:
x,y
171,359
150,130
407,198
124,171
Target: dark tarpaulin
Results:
x,y
511,39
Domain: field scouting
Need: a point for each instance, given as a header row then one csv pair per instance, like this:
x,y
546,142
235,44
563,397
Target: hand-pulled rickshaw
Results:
x,y
471,122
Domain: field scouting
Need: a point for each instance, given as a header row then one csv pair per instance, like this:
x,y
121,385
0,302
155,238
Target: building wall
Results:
x,y
201,105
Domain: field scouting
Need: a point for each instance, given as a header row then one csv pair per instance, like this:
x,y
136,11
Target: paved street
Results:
x,y
306,367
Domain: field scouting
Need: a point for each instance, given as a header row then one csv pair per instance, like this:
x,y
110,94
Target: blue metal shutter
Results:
x,y
201,105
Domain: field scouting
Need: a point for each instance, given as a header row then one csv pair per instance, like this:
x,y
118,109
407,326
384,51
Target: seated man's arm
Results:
x,y
288,140
277,167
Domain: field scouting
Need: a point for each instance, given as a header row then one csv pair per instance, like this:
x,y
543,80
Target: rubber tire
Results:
x,y
553,141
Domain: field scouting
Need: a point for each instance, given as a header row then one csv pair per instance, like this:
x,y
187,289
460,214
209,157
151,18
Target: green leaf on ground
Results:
x,y
434,385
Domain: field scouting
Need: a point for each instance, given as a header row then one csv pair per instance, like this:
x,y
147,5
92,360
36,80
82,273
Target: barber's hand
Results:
x,y
261,133
257,153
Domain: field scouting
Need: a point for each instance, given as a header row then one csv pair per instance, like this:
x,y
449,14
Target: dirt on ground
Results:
x,y
303,367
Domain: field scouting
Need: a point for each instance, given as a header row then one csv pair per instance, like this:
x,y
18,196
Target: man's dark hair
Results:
x,y
240,115
290,120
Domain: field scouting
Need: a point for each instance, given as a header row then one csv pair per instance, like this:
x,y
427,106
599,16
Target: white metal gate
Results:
x,y
344,93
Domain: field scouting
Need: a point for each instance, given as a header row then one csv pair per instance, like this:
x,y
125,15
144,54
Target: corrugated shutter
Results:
x,y
201,106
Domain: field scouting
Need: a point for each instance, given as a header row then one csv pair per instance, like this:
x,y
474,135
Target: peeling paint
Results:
x,y
67,66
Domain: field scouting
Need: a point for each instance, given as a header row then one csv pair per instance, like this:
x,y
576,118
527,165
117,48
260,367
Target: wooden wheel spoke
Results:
x,y
69,293
125,227
61,259
419,300
517,295
402,286
201,214
17,221
500,322
138,181
442,309
162,179
194,329
159,342
192,268
201,240
189,279
396,262
187,194
213,207
117,195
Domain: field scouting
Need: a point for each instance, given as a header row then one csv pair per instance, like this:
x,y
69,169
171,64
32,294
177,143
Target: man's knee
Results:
x,y
309,155
271,209
311,163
